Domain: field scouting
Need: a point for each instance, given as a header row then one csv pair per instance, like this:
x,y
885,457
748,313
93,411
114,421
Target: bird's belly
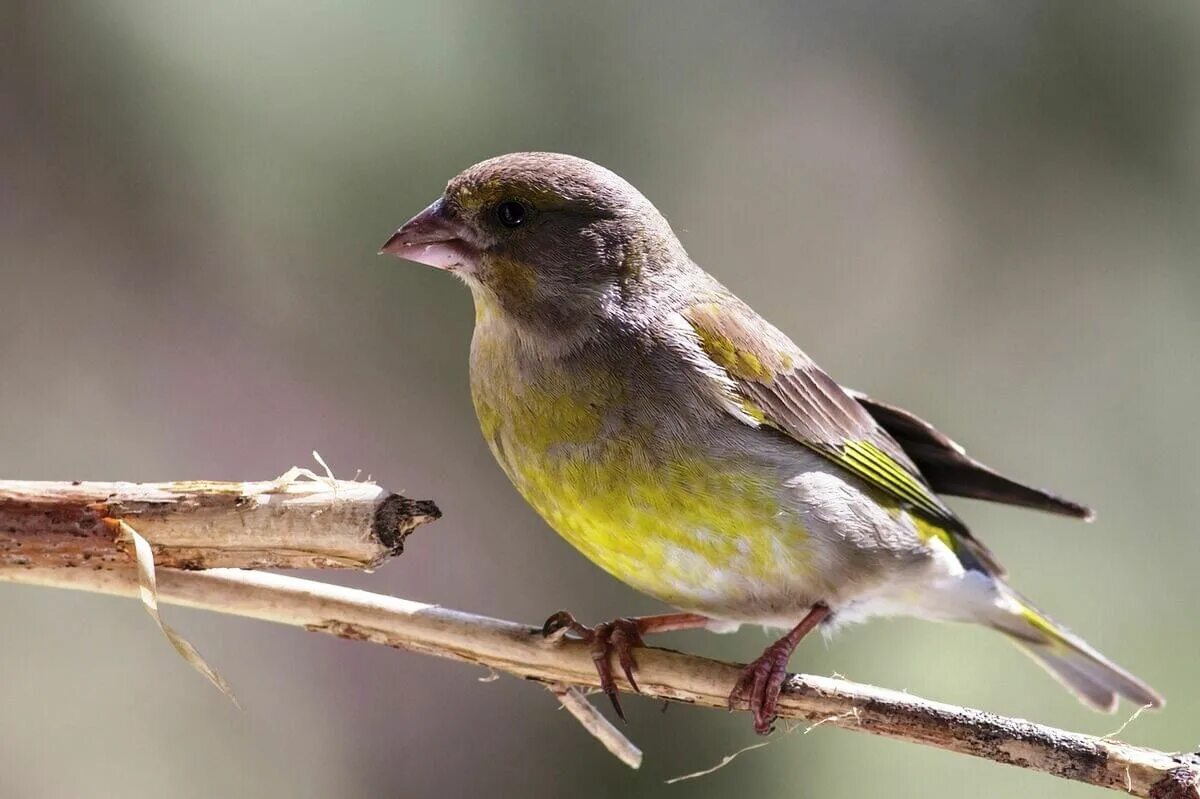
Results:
x,y
700,539
701,533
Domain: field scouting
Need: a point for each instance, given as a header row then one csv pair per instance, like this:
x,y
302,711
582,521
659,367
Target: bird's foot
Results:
x,y
618,636
760,684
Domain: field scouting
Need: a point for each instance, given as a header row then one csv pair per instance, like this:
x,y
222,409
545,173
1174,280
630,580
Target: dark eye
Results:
x,y
511,213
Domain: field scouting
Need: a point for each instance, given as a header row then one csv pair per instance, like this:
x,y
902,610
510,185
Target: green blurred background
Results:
x,y
986,212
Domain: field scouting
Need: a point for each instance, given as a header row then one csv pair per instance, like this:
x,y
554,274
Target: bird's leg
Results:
x,y
761,681
618,636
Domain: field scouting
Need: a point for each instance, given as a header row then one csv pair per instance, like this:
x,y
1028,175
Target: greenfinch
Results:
x,y
690,449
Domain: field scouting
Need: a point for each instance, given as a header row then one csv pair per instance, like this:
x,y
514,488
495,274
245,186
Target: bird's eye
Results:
x,y
511,213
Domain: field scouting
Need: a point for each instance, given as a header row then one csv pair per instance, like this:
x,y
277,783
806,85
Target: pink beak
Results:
x,y
432,238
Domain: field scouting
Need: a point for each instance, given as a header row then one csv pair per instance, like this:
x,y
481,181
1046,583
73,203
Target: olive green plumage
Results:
x,y
688,447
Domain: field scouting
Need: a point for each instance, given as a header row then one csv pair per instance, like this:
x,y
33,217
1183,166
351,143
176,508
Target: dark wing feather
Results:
x,y
950,470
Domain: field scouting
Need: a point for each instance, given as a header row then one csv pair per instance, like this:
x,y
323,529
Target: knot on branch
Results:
x,y
398,516
1179,783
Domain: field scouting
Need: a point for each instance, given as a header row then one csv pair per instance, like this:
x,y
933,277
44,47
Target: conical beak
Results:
x,y
432,238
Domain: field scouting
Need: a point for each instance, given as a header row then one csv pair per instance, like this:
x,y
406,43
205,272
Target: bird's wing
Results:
x,y
783,388
949,470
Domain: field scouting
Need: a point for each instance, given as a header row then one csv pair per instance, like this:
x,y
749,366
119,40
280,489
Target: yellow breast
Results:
x,y
694,531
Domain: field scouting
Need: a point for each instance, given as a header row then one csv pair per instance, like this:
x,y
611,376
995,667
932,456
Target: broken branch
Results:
x,y
299,520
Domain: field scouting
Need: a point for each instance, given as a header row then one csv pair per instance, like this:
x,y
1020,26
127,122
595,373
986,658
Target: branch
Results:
x,y
520,650
288,522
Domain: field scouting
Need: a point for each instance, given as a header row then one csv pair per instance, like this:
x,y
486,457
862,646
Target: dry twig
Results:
x,y
575,703
298,520
521,650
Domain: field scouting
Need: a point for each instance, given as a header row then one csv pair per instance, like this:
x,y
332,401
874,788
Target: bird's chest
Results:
x,y
545,423
651,508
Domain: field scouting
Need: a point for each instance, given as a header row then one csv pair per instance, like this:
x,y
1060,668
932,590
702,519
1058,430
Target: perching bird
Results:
x,y
690,449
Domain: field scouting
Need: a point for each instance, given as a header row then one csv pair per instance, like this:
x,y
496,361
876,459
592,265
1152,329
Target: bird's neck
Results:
x,y
535,331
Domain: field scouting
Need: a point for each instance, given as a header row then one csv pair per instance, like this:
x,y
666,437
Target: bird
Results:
x,y
690,449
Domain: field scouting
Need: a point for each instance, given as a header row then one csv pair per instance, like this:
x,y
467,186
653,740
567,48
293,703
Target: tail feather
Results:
x,y
1096,680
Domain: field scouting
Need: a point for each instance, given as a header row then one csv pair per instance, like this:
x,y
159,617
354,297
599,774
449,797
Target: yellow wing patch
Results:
x,y
733,350
876,467
724,353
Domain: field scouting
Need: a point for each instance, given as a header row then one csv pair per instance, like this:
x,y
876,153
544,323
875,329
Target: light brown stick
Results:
x,y
521,650
290,522
600,728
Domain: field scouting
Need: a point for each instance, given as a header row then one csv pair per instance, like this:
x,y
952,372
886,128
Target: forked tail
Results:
x,y
1095,679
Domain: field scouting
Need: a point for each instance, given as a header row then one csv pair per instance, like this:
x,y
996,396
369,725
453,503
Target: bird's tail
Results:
x,y
1096,680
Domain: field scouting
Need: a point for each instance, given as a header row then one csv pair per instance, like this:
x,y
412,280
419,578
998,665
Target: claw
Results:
x,y
618,635
761,682
759,687
623,639
561,623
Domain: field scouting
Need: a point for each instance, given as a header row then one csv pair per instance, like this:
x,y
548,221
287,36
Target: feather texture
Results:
x,y
950,470
799,399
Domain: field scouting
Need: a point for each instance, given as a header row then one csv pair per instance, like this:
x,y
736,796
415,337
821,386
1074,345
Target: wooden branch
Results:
x,y
574,702
664,674
299,520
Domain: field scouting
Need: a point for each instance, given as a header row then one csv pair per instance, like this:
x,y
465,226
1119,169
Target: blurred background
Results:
x,y
984,212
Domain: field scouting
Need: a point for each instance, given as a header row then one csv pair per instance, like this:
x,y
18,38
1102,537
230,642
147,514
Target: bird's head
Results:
x,y
549,242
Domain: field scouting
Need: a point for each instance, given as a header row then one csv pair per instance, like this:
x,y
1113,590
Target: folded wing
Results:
x,y
894,451
950,470
781,387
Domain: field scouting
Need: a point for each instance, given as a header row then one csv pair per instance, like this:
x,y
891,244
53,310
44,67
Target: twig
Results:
x,y
148,593
575,703
520,650
725,761
288,522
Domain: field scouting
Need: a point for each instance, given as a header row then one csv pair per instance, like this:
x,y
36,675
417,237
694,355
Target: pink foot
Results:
x,y
761,682
618,636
